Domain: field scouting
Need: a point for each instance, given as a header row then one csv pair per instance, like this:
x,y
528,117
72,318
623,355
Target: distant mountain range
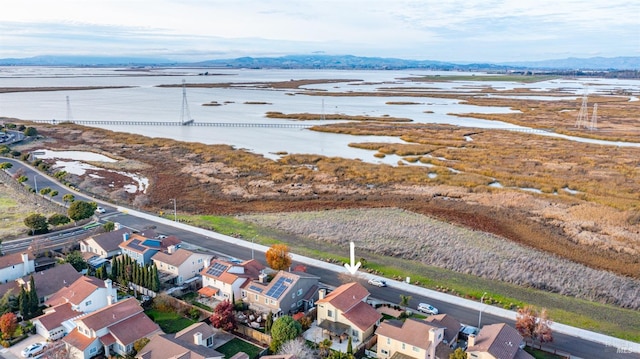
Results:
x,y
335,62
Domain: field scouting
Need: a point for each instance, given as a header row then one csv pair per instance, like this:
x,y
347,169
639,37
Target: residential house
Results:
x,y
412,338
286,293
111,329
87,294
16,265
223,280
141,248
51,326
105,245
193,342
49,281
180,264
451,327
344,312
496,341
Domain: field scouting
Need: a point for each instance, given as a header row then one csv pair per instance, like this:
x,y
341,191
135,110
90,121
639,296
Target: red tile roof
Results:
x,y
9,260
78,340
500,340
134,328
346,296
208,291
175,259
77,292
107,339
56,315
112,314
362,315
412,332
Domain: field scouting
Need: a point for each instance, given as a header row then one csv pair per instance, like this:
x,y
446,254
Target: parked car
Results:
x,y
100,210
427,308
33,350
377,282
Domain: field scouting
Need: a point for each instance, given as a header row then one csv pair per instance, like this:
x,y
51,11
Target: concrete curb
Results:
x,y
619,344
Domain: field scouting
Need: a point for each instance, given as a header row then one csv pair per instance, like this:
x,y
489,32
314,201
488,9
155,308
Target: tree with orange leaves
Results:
x,y
278,257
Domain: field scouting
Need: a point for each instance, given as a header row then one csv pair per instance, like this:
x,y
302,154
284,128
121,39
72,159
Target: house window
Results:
x,y
266,300
416,349
388,341
93,350
330,313
299,292
384,352
209,341
293,295
404,346
87,303
440,336
256,297
244,293
354,333
272,301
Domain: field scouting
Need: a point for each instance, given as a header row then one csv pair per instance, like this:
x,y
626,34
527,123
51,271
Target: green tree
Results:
x,y
404,300
23,302
324,347
79,210
34,300
75,259
58,219
7,302
68,198
109,226
340,355
37,223
53,193
45,191
458,354
350,346
5,165
101,273
284,329
268,323
30,131
155,280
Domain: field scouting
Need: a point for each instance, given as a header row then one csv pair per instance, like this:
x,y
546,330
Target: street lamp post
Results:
x,y
480,315
175,212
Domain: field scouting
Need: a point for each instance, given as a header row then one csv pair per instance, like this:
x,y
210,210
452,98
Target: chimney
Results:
x,y
25,264
125,237
262,278
321,293
171,249
472,340
108,285
197,338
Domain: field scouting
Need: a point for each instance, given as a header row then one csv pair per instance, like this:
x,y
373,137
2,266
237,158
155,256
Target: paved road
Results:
x,y
579,346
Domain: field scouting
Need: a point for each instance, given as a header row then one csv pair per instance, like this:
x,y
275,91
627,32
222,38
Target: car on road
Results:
x,y
33,350
100,210
427,308
377,282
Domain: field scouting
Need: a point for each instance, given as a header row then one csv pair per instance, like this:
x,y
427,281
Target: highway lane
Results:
x,y
578,347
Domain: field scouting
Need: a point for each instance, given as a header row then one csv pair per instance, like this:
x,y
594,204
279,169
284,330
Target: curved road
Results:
x,y
578,347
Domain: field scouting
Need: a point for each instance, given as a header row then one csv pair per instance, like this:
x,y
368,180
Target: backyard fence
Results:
x,y
253,334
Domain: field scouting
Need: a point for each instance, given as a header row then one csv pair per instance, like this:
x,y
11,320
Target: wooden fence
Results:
x,y
253,334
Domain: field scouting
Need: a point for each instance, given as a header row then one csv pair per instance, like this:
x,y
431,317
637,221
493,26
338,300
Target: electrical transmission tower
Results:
x,y
69,115
185,115
583,115
594,118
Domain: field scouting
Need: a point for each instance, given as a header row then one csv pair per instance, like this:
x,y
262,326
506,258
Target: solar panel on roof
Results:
x,y
135,244
217,269
254,288
279,287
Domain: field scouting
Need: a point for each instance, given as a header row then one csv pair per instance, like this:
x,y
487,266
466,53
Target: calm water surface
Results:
x,y
143,101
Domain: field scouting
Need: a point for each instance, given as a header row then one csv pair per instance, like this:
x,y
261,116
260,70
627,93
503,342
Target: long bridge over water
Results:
x,y
192,123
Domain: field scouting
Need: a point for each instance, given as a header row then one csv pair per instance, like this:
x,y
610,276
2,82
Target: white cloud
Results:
x,y
489,30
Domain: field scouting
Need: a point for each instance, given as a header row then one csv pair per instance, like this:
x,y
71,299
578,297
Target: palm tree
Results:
x,y
324,347
404,300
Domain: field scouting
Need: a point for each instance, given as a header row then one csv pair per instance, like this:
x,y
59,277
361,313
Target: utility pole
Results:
x,y
480,315
175,212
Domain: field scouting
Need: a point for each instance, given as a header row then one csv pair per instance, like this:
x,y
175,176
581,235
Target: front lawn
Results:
x,y
170,322
236,345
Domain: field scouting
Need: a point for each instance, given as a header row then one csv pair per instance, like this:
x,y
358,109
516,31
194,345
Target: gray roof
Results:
x,y
53,279
109,241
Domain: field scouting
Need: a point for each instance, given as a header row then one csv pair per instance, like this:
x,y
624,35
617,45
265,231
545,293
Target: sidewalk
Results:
x,y
408,288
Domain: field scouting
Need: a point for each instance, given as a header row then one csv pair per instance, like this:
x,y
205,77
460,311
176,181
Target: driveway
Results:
x,y
14,351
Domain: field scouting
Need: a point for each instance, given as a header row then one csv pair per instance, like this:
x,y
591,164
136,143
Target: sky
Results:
x,y
443,30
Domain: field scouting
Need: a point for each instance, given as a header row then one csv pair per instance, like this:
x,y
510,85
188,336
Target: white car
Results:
x,y
33,350
377,282
100,210
427,308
